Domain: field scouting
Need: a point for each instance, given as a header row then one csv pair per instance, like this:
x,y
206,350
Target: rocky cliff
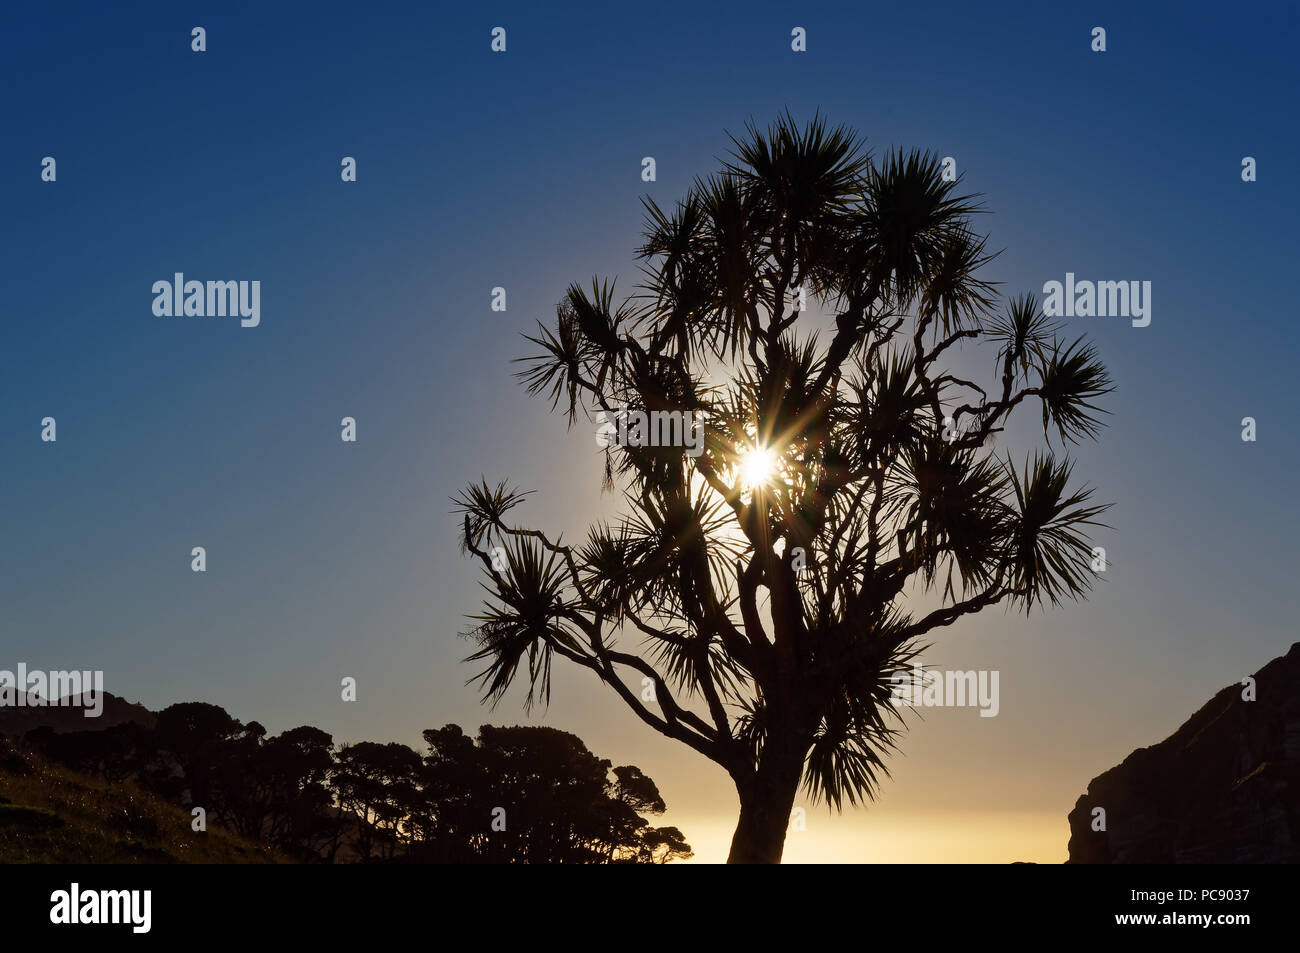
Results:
x,y
1224,788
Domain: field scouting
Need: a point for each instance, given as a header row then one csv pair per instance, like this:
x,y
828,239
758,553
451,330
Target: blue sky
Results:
x,y
522,170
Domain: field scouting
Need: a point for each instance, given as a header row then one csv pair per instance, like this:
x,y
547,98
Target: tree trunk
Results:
x,y
766,801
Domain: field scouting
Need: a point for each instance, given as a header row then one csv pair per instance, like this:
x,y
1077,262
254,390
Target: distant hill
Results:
x,y
50,815
1223,789
17,720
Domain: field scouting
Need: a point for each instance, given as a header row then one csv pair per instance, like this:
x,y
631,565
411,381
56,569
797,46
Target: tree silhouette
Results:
x,y
287,780
377,782
380,803
847,480
452,820
558,802
200,751
659,845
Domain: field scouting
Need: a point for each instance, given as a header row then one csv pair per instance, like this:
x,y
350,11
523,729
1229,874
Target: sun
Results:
x,y
757,467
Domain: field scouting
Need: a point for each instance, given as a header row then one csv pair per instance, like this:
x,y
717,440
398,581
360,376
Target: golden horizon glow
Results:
x,y
938,836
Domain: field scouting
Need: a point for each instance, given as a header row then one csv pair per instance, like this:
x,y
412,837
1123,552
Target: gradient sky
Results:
x,y
522,170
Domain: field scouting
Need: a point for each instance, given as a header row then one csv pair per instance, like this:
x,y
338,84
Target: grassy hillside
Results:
x,y
51,815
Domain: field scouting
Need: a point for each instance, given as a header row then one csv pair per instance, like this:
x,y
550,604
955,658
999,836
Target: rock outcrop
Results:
x,y
1223,789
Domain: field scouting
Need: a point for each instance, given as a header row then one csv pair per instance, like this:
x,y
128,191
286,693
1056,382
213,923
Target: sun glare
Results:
x,y
757,467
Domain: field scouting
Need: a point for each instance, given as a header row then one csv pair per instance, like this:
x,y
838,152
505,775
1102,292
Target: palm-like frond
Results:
x,y
1071,378
1049,550
890,410
953,290
861,725
909,221
586,340
1022,333
484,508
555,371
803,173
956,512
522,623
